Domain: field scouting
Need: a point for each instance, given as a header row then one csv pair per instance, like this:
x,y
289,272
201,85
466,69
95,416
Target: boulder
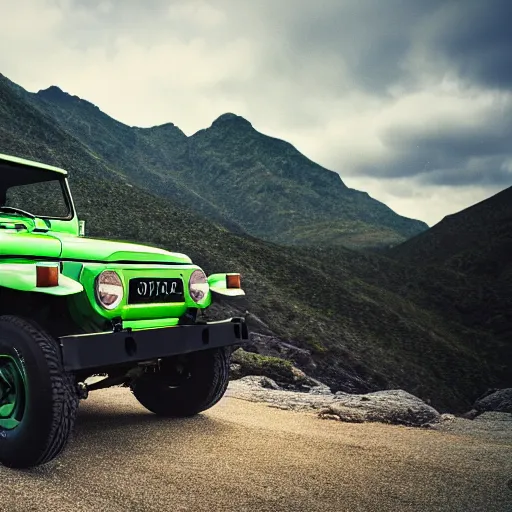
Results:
x,y
235,371
395,406
470,415
259,381
494,416
250,363
390,406
447,418
272,346
265,390
320,389
499,401
488,425
338,412
282,371
267,383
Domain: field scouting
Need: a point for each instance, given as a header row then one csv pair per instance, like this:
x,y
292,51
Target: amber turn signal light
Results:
x,y
233,281
47,275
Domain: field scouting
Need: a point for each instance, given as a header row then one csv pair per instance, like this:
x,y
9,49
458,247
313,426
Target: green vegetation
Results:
x,y
371,322
352,234
275,368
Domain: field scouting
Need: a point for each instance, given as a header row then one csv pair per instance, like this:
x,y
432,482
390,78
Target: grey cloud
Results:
x,y
450,156
306,71
453,171
105,22
482,171
363,44
327,49
370,41
373,40
475,39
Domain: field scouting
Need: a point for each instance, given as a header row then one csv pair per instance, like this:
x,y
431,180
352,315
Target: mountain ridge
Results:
x,y
475,245
246,162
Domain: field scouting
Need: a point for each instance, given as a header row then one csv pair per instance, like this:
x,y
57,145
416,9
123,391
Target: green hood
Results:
x,y
23,243
66,246
91,249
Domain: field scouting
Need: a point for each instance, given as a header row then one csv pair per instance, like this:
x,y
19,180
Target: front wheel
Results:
x,y
38,401
187,386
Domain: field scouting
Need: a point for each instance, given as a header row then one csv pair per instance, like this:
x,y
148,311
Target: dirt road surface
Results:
x,y
242,456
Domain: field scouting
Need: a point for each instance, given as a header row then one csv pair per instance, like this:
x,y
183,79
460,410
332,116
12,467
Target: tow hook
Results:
x,y
82,390
117,324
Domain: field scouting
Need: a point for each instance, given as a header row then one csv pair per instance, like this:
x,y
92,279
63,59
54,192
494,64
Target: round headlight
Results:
x,y
109,289
198,285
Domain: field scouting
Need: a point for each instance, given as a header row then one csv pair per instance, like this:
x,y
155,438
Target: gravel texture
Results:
x,y
244,456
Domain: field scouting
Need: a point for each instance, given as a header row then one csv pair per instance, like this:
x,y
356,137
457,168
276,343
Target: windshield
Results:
x,y
45,199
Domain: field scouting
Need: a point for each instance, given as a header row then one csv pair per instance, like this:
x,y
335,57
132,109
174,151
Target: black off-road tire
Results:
x,y
51,401
207,383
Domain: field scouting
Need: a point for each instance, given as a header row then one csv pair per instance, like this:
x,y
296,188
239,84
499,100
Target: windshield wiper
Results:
x,y
17,210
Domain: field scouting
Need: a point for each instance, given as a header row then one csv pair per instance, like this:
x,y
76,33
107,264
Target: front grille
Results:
x,y
155,291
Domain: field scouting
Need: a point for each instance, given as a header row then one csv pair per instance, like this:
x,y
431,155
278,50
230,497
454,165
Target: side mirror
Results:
x,y
81,228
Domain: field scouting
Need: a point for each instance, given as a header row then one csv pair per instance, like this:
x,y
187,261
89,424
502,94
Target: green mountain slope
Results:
x,y
349,309
148,157
286,194
234,174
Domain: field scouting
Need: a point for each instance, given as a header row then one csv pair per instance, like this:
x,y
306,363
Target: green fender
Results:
x,y
217,283
22,277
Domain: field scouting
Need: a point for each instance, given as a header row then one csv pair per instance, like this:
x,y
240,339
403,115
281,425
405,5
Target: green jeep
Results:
x,y
73,307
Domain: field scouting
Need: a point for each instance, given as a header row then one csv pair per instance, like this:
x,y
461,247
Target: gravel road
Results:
x,y
245,456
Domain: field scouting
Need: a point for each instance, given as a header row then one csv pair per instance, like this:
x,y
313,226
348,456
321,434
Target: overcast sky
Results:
x,y
409,100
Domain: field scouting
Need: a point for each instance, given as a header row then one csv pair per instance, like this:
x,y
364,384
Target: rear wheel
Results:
x,y
185,387
38,401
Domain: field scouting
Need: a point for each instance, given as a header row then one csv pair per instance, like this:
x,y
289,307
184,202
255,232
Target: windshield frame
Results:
x,y
64,186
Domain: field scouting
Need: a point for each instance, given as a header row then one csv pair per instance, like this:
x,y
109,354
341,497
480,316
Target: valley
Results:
x,y
426,316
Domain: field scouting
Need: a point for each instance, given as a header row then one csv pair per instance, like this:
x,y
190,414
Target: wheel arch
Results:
x,y
51,312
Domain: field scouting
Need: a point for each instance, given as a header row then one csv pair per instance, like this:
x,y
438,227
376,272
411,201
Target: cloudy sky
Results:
x,y
409,100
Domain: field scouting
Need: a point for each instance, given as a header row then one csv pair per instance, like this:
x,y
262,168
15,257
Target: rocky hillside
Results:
x,y
364,322
475,247
232,173
476,241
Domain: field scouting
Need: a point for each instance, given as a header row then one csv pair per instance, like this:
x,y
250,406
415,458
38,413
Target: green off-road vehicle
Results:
x,y
73,307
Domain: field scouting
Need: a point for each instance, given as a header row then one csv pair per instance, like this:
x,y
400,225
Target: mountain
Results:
x,y
286,195
474,245
233,174
141,155
476,241
369,321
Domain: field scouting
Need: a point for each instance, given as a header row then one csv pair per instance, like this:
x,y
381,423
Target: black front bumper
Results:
x,y
107,349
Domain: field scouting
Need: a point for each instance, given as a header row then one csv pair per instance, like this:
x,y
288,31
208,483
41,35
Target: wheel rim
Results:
x,y
13,390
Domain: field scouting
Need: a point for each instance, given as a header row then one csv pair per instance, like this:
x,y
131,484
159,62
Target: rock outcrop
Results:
x,y
273,346
491,424
499,401
393,406
282,371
